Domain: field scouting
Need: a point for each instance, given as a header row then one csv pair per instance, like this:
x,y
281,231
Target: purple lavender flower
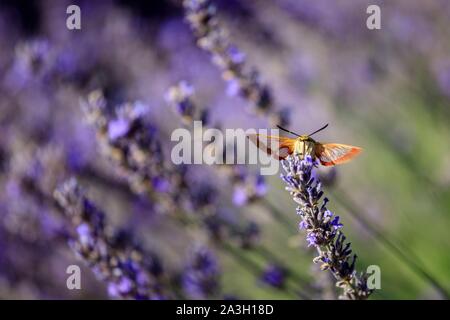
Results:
x,y
201,195
130,142
180,97
200,279
303,225
240,197
161,184
312,239
274,276
322,227
31,60
118,128
248,187
233,87
236,55
335,223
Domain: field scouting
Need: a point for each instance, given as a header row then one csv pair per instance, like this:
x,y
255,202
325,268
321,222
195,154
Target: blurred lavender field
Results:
x,y
96,105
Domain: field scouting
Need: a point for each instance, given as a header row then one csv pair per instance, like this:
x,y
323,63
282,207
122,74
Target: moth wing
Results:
x,y
277,147
331,154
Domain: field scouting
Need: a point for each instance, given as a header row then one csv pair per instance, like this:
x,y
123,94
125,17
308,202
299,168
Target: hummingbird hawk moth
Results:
x,y
329,154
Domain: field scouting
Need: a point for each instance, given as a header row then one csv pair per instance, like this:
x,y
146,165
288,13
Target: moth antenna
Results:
x,y
279,127
318,130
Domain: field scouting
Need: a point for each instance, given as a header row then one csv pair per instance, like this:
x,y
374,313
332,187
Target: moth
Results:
x,y
329,154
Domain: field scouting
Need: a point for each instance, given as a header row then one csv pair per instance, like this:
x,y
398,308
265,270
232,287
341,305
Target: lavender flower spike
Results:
x,y
127,271
211,37
130,142
231,61
323,228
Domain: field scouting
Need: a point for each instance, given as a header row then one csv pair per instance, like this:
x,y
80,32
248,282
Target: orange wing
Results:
x,y
278,147
331,154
